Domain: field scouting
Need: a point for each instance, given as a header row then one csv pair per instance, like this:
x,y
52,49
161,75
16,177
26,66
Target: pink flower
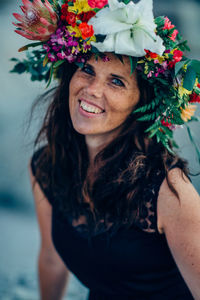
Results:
x,y
38,22
150,74
97,3
174,35
164,65
168,25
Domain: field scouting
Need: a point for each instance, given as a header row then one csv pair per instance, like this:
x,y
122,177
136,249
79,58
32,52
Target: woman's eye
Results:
x,y
117,82
87,70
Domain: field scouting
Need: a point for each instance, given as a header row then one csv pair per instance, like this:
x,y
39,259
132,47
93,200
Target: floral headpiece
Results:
x,y
71,31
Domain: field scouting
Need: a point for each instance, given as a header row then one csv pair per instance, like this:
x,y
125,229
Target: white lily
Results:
x,y
129,29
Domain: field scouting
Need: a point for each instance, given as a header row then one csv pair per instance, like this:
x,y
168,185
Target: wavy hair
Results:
x,y
114,189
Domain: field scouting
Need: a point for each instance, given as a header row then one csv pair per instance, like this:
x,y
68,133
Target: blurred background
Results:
x,y
19,236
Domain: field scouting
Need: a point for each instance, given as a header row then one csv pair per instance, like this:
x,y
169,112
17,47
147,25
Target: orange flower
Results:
x,y
188,112
150,54
86,30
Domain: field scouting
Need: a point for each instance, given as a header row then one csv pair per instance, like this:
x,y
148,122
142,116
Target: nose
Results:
x,y
95,88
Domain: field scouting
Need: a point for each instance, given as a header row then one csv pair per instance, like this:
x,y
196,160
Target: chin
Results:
x,y
84,130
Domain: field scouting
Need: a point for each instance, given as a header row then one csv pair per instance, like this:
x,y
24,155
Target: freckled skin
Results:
x,y
97,84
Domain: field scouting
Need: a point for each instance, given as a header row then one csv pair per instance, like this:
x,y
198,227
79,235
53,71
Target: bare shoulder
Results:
x,y
179,220
43,210
173,211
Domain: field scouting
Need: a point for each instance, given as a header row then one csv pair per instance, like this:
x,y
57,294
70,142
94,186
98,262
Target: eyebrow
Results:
x,y
113,75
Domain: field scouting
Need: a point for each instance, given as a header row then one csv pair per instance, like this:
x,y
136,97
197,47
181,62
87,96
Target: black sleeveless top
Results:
x,y
133,264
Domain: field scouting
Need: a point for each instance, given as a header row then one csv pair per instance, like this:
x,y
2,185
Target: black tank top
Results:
x,y
133,264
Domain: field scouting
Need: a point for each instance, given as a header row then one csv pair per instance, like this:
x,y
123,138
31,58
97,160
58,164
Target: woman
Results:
x,y
138,264
115,205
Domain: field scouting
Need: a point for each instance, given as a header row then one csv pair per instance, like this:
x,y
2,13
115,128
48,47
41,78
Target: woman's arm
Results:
x,y
53,274
179,220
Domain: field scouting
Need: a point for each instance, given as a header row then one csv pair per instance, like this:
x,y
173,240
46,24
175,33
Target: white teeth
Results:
x,y
90,108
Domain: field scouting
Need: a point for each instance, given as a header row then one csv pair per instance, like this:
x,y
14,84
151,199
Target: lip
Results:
x,y
89,114
93,104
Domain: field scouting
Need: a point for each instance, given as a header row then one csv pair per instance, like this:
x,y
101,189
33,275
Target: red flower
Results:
x,y
177,56
174,35
86,30
97,3
166,123
150,54
195,98
168,25
64,9
85,17
71,19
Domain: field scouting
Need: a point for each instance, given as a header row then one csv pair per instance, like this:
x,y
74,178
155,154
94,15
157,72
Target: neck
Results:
x,y
96,143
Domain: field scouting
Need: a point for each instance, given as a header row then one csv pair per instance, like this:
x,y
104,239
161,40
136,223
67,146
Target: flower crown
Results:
x,y
71,31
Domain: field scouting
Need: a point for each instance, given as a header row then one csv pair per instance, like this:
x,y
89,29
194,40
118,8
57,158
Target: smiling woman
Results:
x,y
114,201
102,96
101,175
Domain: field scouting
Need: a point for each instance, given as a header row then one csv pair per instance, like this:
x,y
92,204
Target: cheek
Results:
x,y
123,103
75,86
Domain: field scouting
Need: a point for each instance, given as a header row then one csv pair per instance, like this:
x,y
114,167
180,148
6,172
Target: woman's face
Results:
x,y
102,95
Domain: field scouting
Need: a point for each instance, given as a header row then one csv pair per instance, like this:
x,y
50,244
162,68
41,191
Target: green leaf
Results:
x,y
26,47
174,144
79,64
133,62
190,78
13,59
183,46
146,107
50,75
19,68
94,50
180,65
196,65
100,38
58,63
155,126
194,119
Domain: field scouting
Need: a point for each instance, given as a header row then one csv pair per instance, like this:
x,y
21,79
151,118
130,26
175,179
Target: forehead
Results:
x,y
113,65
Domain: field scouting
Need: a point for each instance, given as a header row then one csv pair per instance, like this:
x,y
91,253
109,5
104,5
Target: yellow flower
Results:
x,y
76,30
159,58
140,61
146,68
182,91
79,6
188,112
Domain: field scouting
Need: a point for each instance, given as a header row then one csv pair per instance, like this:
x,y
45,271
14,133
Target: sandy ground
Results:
x,y
19,240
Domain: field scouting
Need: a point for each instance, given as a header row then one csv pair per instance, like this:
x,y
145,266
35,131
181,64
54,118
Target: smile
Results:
x,y
90,108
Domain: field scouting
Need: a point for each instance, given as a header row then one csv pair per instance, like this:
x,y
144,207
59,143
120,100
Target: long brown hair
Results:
x,y
115,187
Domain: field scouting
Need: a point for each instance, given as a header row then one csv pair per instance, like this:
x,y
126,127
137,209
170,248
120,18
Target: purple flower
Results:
x,y
52,57
46,47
